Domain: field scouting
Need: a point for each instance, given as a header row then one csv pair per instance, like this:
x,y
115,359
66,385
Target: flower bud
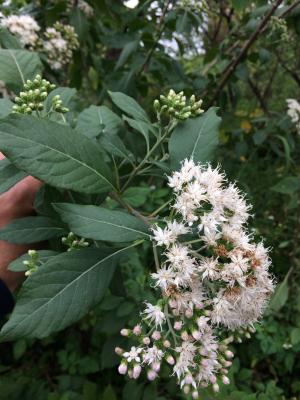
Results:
x,y
229,354
213,379
216,388
167,344
119,351
137,330
125,332
151,375
136,371
195,395
225,380
184,336
146,340
178,325
130,373
170,360
186,389
122,368
156,335
155,366
189,313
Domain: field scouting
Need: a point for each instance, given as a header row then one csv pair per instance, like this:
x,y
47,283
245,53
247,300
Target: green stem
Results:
x,y
157,211
160,140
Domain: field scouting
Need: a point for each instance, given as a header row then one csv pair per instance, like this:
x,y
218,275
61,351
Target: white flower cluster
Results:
x,y
294,112
212,278
85,8
61,40
24,26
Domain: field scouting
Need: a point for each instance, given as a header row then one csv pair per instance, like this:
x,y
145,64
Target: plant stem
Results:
x,y
159,209
160,140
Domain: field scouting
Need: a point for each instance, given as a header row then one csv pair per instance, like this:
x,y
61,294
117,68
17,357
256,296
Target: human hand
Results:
x,y
15,203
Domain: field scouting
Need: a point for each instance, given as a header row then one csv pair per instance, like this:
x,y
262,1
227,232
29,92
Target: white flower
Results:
x,y
85,8
209,268
152,355
154,314
178,255
164,277
163,237
133,354
24,26
177,228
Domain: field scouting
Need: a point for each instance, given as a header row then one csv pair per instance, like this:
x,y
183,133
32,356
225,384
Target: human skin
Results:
x,y
15,203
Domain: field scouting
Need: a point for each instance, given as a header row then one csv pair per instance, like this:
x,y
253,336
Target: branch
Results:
x,y
290,8
159,31
258,95
228,71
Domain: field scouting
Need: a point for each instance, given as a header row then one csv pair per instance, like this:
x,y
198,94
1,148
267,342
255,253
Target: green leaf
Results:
x,y
109,394
128,49
114,146
195,138
61,292
9,175
9,41
288,185
54,153
129,106
44,255
99,223
31,230
281,294
295,336
16,66
66,94
5,107
143,127
136,196
95,121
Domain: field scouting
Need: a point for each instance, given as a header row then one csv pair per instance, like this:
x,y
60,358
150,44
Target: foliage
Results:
x,y
103,153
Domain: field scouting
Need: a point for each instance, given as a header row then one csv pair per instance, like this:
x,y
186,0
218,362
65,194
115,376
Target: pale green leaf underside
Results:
x,y
61,292
54,153
99,223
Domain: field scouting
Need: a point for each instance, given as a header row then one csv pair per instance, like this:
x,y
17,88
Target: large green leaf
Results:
x,y
9,175
5,107
99,223
54,153
128,105
16,66
61,292
195,138
31,230
95,121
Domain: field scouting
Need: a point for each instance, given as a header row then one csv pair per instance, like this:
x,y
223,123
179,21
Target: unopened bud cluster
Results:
x,y
176,105
213,279
279,27
32,263
34,95
73,242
